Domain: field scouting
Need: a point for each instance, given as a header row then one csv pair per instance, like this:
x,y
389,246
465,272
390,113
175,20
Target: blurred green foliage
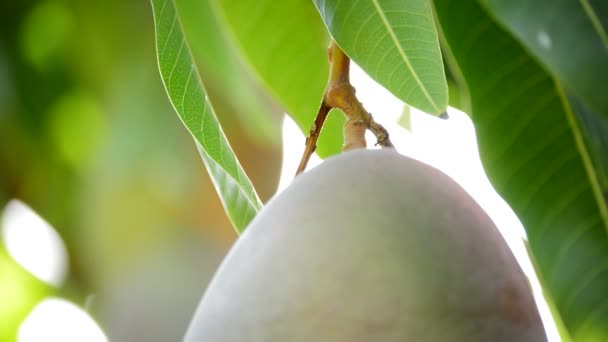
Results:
x,y
89,140
19,292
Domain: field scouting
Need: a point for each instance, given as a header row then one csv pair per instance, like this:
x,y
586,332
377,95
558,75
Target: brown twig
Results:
x,y
315,131
380,132
340,94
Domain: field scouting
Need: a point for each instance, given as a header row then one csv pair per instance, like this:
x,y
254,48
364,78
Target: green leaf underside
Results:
x,y
286,44
532,150
568,38
395,42
228,84
187,95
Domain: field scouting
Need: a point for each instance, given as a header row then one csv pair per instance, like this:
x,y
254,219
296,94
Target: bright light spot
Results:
x,y
33,243
544,40
376,99
56,319
448,145
293,147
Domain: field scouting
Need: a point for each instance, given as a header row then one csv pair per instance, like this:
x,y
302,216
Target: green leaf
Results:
x,y
286,44
458,97
228,82
187,95
534,151
568,38
395,42
405,120
595,133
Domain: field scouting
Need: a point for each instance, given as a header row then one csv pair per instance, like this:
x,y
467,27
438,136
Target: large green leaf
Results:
x,y
533,150
595,134
286,44
187,95
568,37
395,42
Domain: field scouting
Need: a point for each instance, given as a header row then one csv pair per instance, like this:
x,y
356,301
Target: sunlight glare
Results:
x,y
33,243
55,319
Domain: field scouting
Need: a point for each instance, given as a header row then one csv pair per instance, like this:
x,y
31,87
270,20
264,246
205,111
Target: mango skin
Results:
x,y
369,246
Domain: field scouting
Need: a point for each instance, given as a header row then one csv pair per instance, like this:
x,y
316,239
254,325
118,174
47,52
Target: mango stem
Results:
x,y
340,94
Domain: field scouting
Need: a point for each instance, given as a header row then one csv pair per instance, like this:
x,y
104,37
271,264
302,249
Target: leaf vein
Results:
x,y
403,55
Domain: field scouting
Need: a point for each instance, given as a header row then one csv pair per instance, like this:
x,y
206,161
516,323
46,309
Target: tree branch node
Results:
x,y
340,94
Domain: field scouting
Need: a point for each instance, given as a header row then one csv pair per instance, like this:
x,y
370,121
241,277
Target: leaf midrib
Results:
x,y
391,33
585,157
597,25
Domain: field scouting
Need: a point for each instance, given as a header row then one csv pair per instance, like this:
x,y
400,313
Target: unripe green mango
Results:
x,y
369,246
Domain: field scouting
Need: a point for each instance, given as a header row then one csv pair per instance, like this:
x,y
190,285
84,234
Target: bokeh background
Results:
x,y
90,142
